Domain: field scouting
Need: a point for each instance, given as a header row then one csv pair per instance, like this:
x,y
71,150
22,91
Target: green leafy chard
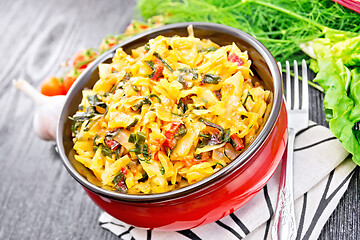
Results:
x,y
208,49
119,182
163,61
214,140
96,108
145,100
210,78
141,148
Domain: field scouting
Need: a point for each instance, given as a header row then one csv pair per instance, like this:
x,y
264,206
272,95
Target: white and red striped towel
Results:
x,y
322,174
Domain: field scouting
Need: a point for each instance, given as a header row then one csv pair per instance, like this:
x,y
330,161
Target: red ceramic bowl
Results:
x,y
216,196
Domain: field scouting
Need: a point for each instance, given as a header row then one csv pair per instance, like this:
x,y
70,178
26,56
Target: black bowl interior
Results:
x,y
263,66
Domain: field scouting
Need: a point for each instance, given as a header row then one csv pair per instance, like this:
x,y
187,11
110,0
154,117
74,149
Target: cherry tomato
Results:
x,y
52,86
68,82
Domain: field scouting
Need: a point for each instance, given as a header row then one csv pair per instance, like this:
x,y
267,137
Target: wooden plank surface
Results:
x,y
38,198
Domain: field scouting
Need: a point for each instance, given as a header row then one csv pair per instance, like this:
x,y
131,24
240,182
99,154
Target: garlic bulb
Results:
x,y
47,111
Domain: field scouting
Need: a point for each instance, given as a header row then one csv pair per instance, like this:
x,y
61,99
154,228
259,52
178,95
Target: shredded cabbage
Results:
x,y
171,114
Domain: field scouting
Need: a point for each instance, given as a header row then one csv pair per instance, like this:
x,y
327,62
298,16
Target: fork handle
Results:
x,y
284,225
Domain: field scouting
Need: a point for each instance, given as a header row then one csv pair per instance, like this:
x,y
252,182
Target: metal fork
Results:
x,y
284,225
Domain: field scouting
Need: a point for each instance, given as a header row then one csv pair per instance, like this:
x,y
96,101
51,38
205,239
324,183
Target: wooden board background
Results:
x,y
38,198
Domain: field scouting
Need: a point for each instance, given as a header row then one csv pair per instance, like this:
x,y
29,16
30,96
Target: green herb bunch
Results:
x,y
282,25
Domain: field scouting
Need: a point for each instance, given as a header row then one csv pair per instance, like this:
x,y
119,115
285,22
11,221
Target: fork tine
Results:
x,y
279,65
280,68
288,86
305,87
296,86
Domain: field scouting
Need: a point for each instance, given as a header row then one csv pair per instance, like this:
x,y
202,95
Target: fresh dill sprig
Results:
x,y
281,25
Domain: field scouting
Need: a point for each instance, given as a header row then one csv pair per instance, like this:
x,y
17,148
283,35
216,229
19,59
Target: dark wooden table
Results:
x,y
38,198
